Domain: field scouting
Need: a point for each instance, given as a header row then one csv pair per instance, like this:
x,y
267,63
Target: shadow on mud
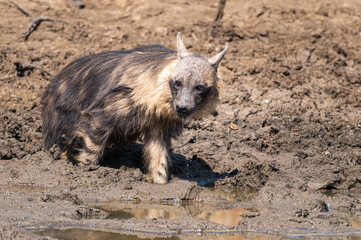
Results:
x,y
194,169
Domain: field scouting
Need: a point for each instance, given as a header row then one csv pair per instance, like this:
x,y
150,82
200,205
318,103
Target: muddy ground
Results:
x,y
288,129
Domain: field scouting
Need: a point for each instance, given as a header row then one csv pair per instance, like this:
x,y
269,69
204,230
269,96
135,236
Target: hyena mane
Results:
x,y
117,97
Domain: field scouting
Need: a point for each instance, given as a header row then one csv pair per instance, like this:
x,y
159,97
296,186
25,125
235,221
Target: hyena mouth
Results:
x,y
184,115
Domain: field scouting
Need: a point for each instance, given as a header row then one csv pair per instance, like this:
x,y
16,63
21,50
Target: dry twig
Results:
x,y
26,13
221,6
34,24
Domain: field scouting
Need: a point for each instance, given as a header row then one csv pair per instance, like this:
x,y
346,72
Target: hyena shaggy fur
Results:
x,y
117,97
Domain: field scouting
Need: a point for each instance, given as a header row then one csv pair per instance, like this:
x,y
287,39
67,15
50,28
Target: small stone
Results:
x,y
233,126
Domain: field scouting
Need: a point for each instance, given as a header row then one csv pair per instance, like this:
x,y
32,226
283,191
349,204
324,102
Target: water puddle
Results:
x,y
139,212
227,217
223,214
120,210
23,188
81,234
109,234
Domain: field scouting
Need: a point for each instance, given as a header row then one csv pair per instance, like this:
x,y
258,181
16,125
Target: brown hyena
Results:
x,y
117,97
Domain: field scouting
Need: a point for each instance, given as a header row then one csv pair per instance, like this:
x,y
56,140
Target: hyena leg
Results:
x,y
156,153
89,140
86,151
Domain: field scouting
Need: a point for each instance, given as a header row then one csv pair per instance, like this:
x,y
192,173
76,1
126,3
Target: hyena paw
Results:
x,y
158,179
88,164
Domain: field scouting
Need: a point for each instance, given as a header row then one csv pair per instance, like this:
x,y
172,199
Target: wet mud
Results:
x,y
287,132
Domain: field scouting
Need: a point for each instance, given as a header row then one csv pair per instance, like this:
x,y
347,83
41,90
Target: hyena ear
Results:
x,y
215,60
181,49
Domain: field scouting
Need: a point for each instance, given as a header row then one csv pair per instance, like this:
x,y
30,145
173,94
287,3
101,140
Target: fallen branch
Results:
x,y
34,24
26,13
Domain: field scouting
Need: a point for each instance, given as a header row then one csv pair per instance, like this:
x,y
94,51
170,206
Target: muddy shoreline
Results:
x,y
287,135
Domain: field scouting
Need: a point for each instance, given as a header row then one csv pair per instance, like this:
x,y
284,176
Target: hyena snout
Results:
x,y
183,110
184,107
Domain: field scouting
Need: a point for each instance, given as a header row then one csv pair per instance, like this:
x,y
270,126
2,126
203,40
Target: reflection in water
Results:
x,y
227,217
139,213
81,234
153,213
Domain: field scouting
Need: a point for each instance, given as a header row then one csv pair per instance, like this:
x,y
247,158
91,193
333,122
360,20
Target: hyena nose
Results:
x,y
182,109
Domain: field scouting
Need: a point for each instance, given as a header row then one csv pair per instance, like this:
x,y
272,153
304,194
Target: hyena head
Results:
x,y
194,80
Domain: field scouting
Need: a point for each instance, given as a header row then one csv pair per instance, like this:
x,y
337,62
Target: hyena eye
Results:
x,y
200,88
178,83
